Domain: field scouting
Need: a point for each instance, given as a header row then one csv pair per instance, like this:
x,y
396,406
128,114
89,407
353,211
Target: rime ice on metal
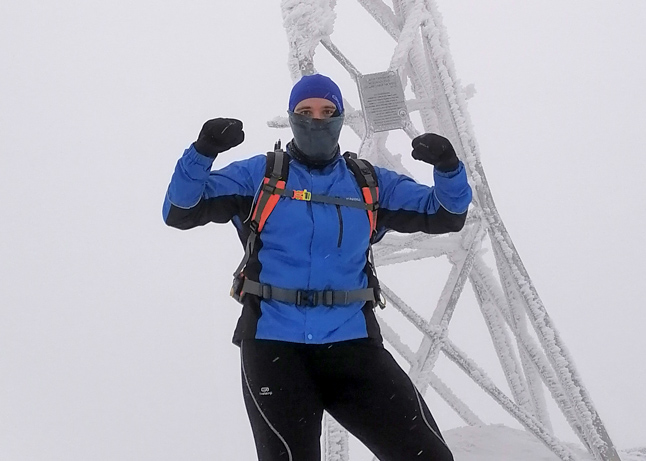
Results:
x,y
508,300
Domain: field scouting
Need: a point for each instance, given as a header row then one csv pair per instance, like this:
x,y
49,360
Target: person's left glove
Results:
x,y
436,150
218,135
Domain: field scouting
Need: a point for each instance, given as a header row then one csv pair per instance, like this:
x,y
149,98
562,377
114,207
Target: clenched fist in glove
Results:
x,y
218,135
436,150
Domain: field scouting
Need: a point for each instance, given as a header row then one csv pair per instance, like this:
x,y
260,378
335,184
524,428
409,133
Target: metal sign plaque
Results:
x,y
383,101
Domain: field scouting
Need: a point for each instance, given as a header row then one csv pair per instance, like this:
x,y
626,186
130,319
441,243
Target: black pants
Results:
x,y
287,387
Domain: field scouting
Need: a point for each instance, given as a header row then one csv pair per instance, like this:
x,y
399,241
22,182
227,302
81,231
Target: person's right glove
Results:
x,y
436,150
218,135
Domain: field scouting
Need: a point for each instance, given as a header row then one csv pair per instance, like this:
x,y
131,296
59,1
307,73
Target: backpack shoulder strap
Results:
x,y
276,172
366,176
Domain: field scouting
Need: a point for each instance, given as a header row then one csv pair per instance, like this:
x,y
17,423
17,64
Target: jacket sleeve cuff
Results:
x,y
198,158
450,174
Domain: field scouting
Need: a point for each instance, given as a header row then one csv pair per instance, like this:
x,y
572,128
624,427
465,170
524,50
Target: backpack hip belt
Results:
x,y
310,298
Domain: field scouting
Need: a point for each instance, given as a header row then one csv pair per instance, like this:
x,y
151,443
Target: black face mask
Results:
x,y
316,140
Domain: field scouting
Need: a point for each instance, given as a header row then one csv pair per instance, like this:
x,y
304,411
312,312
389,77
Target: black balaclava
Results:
x,y
316,141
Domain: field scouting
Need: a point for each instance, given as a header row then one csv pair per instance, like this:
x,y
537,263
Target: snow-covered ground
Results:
x,y
497,442
501,443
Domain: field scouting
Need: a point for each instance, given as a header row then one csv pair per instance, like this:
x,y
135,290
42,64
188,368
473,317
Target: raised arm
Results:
x,y
196,195
407,206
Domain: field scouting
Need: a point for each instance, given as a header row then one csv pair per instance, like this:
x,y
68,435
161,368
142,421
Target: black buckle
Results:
x,y
327,298
267,187
253,226
381,299
236,288
265,291
307,298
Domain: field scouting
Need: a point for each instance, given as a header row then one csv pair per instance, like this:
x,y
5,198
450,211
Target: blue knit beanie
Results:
x,y
315,86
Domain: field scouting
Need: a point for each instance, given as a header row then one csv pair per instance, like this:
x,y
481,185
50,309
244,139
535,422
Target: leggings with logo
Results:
x,y
287,386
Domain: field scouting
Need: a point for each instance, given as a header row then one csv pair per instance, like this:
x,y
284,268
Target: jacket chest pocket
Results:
x,y
353,228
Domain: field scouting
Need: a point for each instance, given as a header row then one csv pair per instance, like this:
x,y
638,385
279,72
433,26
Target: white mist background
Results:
x,y
115,330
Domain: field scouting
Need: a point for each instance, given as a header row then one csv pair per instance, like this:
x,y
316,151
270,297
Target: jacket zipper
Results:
x,y
338,211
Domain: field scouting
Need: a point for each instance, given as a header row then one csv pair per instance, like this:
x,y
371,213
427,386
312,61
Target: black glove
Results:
x,y
218,135
436,150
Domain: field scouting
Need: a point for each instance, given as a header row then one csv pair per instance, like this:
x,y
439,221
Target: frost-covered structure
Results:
x,y
509,302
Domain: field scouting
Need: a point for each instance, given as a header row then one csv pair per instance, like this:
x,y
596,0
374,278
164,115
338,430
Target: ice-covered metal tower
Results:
x,y
531,361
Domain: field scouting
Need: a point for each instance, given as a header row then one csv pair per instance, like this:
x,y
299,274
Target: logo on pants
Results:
x,y
265,391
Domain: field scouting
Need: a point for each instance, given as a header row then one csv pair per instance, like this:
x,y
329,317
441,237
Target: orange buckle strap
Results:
x,y
264,206
370,200
302,195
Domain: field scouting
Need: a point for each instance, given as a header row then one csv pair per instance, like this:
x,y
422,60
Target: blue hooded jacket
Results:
x,y
306,245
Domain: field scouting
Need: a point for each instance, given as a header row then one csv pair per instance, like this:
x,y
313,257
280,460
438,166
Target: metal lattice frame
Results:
x,y
509,301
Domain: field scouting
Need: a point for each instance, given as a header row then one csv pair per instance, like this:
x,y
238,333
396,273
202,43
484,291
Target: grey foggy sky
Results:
x,y
115,330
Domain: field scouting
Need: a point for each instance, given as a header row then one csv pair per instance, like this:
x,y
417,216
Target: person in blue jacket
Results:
x,y
308,336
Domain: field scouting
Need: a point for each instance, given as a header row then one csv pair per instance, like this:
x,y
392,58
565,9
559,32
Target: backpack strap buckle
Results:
x,y
302,195
307,298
